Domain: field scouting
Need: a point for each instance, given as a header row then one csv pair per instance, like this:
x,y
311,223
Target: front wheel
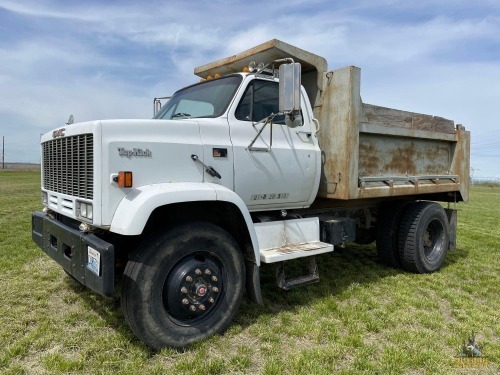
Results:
x,y
424,237
183,285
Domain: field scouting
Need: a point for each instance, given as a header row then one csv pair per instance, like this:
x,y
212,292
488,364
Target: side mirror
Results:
x,y
289,87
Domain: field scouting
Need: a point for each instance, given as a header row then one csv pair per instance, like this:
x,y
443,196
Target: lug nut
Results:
x,y
184,290
215,289
189,279
192,308
197,271
208,272
202,307
214,278
211,300
185,301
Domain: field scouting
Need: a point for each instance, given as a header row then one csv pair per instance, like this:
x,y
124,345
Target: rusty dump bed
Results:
x,y
376,152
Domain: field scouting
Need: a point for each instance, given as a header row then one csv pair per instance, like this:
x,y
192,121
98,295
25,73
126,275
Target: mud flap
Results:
x,y
452,218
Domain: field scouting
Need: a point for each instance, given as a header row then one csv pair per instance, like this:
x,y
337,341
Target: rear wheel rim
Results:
x,y
433,240
193,288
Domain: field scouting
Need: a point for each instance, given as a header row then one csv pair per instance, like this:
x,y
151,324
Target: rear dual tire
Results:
x,y
424,237
414,236
388,233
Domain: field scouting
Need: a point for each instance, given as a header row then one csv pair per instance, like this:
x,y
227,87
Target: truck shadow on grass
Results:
x,y
109,309
353,265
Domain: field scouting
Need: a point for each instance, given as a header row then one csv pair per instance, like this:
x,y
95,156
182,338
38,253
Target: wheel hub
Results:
x,y
193,287
433,240
428,241
201,289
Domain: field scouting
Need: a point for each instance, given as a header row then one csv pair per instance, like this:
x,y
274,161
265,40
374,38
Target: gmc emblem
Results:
x,y
58,133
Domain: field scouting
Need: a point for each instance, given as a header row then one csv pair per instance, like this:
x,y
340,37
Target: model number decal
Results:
x,y
136,152
262,197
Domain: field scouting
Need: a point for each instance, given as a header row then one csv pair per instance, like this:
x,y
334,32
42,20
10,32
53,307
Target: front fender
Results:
x,y
136,207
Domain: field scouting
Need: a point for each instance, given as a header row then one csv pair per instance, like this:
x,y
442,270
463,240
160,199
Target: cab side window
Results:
x,y
261,99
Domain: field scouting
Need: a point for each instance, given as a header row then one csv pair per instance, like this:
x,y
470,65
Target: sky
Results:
x,y
109,59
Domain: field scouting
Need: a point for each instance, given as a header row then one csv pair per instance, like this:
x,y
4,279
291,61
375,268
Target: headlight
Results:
x,y
85,210
45,198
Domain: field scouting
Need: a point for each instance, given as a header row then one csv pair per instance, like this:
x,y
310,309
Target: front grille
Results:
x,y
68,165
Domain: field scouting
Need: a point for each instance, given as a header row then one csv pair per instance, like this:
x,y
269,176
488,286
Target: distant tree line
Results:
x,y
21,166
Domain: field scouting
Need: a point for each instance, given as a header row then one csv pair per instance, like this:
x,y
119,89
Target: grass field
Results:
x,y
361,318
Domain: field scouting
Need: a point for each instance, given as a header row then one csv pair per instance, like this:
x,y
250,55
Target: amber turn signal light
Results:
x,y
125,179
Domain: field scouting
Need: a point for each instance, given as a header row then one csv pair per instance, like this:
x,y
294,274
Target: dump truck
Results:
x,y
269,158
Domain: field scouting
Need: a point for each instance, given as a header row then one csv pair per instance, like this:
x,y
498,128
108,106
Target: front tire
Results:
x,y
183,286
424,237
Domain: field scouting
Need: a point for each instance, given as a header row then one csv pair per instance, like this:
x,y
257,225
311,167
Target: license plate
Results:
x,y
93,260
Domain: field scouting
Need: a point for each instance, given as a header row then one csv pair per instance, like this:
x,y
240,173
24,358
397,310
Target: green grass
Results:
x,y
361,318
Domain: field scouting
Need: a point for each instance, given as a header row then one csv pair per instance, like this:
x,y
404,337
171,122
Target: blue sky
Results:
x,y
108,59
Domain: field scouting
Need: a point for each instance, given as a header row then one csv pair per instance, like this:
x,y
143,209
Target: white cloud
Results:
x,y
103,60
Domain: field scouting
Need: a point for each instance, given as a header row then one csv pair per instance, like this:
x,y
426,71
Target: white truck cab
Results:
x,y
237,142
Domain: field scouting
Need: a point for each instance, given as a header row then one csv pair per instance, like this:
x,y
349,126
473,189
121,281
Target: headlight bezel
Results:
x,y
85,210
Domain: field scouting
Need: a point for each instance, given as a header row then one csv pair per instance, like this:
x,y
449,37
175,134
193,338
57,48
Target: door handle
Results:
x,y
308,134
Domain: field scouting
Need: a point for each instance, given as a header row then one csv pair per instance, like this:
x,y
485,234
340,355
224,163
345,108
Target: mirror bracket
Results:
x,y
266,120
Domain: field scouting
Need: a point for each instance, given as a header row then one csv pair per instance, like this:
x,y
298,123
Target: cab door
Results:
x,y
281,167
217,151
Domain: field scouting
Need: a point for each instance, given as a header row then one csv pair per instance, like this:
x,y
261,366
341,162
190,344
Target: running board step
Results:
x,y
294,251
312,277
291,239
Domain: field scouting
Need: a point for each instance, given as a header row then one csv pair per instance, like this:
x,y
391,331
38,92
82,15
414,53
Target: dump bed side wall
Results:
x,y
377,152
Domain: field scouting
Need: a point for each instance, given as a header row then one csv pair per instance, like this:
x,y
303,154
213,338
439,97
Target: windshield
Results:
x,y
207,99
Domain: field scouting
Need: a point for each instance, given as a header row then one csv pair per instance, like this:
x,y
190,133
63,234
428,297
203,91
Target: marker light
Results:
x,y
217,75
125,179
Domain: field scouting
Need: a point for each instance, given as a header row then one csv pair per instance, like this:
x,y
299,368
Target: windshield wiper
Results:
x,y
181,114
